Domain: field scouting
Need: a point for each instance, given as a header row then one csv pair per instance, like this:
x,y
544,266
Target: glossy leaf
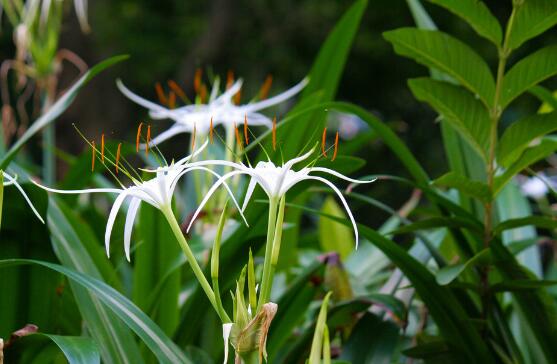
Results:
x,y
449,273
475,189
457,107
332,235
528,72
519,285
318,336
58,107
77,349
532,18
521,133
477,14
164,349
447,54
539,221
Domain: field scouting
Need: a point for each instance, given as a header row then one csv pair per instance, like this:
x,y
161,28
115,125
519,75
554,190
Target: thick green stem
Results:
x,y
267,276
193,262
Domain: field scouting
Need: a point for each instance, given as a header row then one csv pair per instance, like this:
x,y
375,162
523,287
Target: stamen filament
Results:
x,y
237,133
102,148
193,137
203,94
118,156
265,88
275,133
323,139
336,148
246,137
238,97
160,94
138,137
94,155
148,140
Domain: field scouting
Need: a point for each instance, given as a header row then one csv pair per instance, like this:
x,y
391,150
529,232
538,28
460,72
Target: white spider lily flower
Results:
x,y
13,181
226,328
157,192
220,109
276,181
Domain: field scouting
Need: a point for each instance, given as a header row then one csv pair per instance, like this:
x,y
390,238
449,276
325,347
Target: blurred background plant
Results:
x,y
438,282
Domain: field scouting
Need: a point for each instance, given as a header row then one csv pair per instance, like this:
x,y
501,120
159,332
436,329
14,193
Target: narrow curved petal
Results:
x,y
342,199
11,181
167,134
111,219
130,218
210,193
227,95
218,162
249,192
259,119
140,100
278,98
72,192
293,161
194,154
215,90
339,175
173,185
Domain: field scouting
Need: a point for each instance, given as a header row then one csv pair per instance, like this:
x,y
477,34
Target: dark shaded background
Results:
x,y
170,39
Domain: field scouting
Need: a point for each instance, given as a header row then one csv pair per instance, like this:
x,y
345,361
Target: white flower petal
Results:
x,y
293,161
167,134
226,328
111,219
13,181
228,94
210,193
249,192
342,199
140,100
130,218
278,98
339,175
78,192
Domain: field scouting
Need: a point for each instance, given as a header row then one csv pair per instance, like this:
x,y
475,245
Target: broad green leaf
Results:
x,y
449,273
532,18
519,285
317,342
528,72
477,14
521,133
58,107
390,303
436,222
530,156
163,348
114,339
332,235
457,107
537,307
429,350
548,98
539,221
77,349
157,252
475,189
447,54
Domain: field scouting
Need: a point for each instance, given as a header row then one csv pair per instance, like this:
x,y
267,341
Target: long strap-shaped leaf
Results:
x,y
163,348
58,107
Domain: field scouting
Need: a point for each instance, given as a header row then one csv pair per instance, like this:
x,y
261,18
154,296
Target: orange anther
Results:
x,y
118,156
203,94
246,137
102,148
238,97
148,140
177,90
237,133
266,87
211,130
160,94
336,147
138,137
197,80
323,142
193,137
172,100
229,79
275,133
94,155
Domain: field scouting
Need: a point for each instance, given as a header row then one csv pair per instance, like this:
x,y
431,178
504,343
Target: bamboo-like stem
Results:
x,y
197,271
267,275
